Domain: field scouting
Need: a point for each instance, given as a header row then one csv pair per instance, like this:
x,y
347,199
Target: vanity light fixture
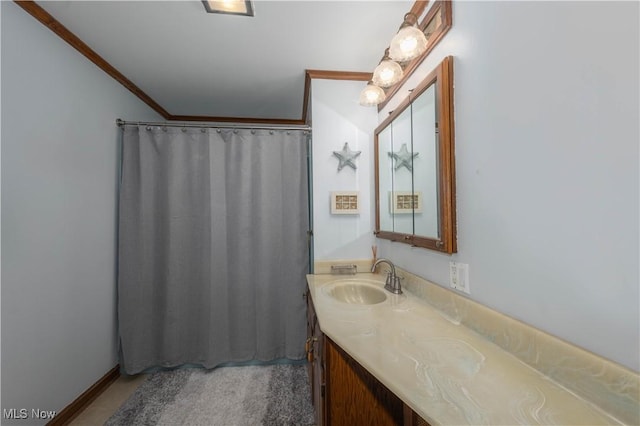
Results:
x,y
388,72
407,50
410,42
372,95
230,7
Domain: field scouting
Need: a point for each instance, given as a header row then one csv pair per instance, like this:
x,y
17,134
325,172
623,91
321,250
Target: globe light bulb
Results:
x,y
409,43
387,73
372,95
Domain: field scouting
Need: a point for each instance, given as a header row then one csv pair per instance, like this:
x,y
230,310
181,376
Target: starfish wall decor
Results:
x,y
403,158
346,157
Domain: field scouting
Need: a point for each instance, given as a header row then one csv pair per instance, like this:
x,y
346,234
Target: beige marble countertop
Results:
x,y
444,371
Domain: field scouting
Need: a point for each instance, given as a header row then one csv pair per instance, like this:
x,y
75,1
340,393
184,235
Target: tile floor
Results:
x,y
109,401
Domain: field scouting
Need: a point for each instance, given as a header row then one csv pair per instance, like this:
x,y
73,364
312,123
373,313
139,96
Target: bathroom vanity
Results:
x,y
344,392
398,360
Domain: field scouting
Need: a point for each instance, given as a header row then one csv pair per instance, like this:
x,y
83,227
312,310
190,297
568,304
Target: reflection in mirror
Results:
x,y
415,187
401,177
385,174
425,174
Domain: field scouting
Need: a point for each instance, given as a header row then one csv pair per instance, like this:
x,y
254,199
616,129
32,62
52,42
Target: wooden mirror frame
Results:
x,y
442,77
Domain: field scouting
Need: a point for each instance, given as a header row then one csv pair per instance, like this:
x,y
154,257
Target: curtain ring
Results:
x,y
148,127
203,130
218,130
235,131
253,132
184,130
270,132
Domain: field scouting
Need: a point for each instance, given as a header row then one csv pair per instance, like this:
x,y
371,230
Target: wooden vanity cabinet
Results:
x,y
355,397
343,392
316,363
411,418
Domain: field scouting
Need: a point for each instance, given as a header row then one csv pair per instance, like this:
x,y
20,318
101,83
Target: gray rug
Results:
x,y
228,396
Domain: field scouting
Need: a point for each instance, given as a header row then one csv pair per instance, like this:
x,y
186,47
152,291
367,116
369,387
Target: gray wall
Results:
x,y
60,161
547,131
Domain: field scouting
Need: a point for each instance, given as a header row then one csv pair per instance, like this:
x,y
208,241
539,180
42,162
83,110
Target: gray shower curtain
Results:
x,y
212,246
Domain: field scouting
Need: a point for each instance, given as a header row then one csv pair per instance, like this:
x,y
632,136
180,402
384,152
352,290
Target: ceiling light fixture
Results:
x,y
388,72
372,95
410,42
231,7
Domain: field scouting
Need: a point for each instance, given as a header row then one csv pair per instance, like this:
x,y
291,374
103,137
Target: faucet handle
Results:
x,y
394,285
390,277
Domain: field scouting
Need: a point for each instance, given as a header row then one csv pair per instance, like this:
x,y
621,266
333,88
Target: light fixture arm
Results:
x,y
385,56
409,20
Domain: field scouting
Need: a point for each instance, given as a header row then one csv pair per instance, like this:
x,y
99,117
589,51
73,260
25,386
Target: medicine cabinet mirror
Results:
x,y
414,166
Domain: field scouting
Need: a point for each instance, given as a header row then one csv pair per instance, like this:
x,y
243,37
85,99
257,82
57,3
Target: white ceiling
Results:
x,y
196,63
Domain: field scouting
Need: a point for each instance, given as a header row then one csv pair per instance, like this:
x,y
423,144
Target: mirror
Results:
x,y
414,166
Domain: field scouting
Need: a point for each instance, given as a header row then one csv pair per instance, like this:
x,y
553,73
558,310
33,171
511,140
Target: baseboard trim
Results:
x,y
65,416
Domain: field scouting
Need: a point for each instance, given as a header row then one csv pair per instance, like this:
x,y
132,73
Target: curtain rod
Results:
x,y
120,123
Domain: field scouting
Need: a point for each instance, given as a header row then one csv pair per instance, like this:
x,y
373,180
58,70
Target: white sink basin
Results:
x,y
356,292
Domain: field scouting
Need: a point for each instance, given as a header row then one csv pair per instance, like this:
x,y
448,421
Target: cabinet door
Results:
x,y
411,418
308,345
319,377
354,396
315,357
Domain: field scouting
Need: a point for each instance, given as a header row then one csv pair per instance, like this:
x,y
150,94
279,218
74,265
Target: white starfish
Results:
x,y
403,158
346,157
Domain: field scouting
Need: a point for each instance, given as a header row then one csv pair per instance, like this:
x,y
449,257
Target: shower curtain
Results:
x,y
212,246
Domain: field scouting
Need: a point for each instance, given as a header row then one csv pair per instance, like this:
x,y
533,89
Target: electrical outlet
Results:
x,y
463,278
459,277
453,275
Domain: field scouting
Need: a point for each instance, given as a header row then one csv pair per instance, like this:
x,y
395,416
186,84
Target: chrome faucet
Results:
x,y
393,281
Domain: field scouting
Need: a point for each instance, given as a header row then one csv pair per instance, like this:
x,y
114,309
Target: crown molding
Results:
x,y
63,32
45,18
